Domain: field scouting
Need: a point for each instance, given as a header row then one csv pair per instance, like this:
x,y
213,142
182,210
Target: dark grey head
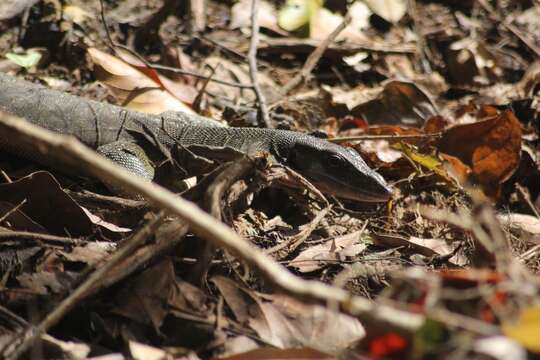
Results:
x,y
337,170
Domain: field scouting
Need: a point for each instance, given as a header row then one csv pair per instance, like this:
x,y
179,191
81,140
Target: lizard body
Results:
x,y
126,137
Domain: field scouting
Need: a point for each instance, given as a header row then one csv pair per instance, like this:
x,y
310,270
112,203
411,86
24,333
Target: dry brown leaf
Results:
x,y
48,208
12,8
249,308
351,98
530,80
319,326
141,351
146,300
382,150
155,292
76,14
528,223
277,354
47,204
132,87
425,247
456,169
266,16
390,10
472,62
17,219
435,124
107,225
440,247
318,256
400,102
392,130
238,345
287,323
69,349
180,86
239,73
91,253
324,22
492,148
44,282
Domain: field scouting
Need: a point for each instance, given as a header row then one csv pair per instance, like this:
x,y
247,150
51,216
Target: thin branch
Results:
x,y
385,137
315,56
514,30
143,256
114,45
293,242
46,238
295,45
11,211
252,61
198,76
527,197
213,203
32,334
221,46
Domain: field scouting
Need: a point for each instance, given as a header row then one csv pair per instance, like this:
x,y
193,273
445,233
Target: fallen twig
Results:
x,y
175,234
514,30
32,334
293,242
252,62
296,45
113,45
46,238
343,139
314,57
213,203
11,211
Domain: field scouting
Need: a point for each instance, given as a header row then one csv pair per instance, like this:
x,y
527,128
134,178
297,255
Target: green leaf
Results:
x,y
297,13
430,337
28,60
428,161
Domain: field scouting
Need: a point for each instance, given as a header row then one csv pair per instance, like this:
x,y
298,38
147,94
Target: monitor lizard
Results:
x,y
132,139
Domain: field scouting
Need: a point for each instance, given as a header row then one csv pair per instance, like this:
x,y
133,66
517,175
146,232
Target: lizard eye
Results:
x,y
333,161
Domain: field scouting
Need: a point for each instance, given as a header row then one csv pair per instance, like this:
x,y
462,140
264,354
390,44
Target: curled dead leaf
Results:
x,y
135,89
456,169
400,102
390,10
492,148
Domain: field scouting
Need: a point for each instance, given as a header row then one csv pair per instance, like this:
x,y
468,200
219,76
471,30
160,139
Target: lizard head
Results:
x,y
337,170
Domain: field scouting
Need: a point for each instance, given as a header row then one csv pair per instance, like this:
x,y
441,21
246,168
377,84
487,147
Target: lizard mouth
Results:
x,y
374,191
341,191
349,193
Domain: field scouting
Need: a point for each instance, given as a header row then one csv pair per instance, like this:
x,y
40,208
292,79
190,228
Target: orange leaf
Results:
x,y
491,147
472,276
434,124
387,344
456,169
392,130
